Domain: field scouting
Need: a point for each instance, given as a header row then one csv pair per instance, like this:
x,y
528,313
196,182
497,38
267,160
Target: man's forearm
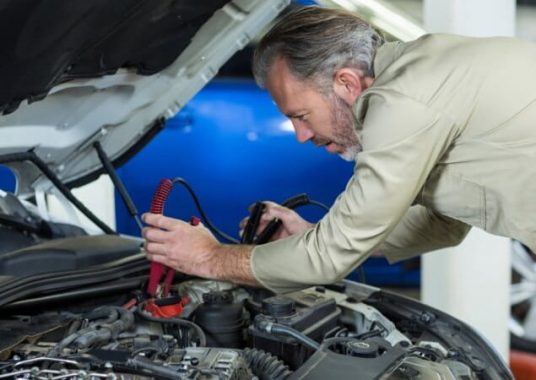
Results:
x,y
233,263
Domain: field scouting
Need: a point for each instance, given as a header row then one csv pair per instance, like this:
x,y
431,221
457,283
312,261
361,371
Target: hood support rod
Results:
x,y
125,196
40,164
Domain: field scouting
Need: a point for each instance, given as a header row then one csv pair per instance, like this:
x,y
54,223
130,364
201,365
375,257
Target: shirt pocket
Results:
x,y
453,196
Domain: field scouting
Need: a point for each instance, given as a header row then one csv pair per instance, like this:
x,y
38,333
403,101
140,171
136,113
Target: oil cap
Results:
x,y
278,306
363,349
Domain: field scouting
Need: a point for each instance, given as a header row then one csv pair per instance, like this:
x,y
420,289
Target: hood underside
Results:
x,y
46,44
74,73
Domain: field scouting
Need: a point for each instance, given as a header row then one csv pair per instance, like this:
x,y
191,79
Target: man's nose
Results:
x,y
303,133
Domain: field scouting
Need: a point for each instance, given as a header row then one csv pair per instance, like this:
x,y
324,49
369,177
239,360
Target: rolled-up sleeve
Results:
x,y
402,140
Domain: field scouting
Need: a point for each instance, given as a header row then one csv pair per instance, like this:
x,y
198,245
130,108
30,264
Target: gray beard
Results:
x,y
350,154
345,133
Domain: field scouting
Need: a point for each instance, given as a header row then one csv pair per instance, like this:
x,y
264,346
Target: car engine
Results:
x,y
76,307
228,332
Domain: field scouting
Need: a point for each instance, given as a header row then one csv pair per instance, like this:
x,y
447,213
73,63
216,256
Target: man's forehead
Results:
x,y
280,77
289,93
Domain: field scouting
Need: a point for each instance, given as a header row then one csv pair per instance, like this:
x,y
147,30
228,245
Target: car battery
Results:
x,y
311,314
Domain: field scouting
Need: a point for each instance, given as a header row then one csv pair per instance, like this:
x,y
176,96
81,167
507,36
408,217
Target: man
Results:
x,y
444,129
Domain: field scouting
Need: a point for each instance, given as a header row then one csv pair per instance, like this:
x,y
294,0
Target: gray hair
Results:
x,y
316,42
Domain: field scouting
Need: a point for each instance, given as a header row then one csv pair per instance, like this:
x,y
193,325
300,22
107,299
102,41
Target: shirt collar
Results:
x,y
385,55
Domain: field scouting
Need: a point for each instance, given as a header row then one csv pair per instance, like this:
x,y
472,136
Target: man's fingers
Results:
x,y
157,258
251,207
155,249
243,222
267,218
271,210
155,234
275,212
161,221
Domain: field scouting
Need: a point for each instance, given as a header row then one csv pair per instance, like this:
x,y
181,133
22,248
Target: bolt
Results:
x,y
452,353
427,317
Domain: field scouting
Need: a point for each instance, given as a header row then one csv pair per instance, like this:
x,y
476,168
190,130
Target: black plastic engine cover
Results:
x,y
313,315
67,254
326,364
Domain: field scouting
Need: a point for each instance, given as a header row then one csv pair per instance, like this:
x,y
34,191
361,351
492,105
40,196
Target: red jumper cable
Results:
x,y
159,270
157,207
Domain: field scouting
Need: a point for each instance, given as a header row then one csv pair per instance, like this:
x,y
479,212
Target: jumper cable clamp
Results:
x,y
160,303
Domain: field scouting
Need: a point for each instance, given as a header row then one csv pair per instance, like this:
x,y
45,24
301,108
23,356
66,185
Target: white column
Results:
x,y
478,18
472,281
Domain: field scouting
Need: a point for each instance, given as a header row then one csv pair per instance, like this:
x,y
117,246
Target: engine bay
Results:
x,y
225,331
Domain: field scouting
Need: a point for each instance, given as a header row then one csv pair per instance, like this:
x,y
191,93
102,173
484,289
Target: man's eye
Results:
x,y
300,117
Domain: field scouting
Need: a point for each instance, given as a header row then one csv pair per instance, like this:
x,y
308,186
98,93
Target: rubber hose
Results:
x,y
101,312
103,332
276,328
178,321
266,366
285,330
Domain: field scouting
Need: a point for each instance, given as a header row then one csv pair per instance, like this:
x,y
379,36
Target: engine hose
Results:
x,y
103,333
278,329
110,314
117,320
266,366
289,331
178,321
158,371
58,348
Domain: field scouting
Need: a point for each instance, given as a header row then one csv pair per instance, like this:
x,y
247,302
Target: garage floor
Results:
x,y
523,365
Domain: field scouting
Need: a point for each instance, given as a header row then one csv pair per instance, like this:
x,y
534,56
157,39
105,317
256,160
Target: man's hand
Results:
x,y
194,250
179,245
292,222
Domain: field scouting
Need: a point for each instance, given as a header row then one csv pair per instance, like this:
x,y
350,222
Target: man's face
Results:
x,y
326,121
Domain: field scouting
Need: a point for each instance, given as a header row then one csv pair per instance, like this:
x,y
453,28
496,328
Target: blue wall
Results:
x,y
234,147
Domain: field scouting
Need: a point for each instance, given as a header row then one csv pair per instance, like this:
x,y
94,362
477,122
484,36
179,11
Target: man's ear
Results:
x,y
350,83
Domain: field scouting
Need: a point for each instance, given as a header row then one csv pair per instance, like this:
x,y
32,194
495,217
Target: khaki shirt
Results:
x,y
449,141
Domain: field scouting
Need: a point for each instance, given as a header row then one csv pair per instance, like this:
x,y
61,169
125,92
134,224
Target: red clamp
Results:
x,y
161,308
166,310
158,270
155,306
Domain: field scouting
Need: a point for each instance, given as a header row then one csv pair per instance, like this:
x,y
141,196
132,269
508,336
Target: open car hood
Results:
x,y
112,72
